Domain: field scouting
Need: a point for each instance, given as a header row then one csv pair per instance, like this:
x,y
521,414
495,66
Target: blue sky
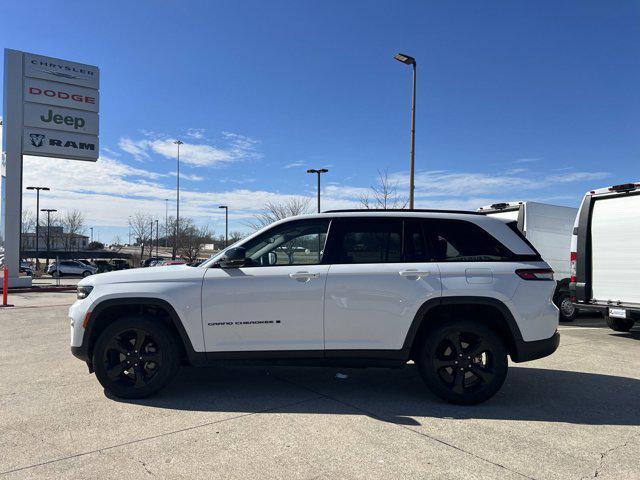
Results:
x,y
516,101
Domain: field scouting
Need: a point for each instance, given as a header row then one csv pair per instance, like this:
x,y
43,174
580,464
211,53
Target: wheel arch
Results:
x,y
154,308
489,311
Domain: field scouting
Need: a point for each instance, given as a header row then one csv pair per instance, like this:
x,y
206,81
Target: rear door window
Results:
x,y
462,241
367,240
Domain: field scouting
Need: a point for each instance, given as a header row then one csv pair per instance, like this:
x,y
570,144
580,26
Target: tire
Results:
x,y
620,324
116,367
567,309
56,274
86,273
479,377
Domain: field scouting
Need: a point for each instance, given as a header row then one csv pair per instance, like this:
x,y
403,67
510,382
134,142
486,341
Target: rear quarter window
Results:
x,y
462,241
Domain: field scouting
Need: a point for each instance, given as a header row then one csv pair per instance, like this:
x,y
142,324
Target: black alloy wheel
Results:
x,y
134,358
463,362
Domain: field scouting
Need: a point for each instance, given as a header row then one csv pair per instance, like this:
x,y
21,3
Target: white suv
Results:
x,y
456,292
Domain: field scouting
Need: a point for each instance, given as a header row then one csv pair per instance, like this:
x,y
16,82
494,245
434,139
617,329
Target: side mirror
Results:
x,y
233,258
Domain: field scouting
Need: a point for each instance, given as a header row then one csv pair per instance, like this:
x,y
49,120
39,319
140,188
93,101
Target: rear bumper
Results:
x,y
526,351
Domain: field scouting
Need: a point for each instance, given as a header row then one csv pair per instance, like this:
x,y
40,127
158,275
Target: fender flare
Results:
x,y
421,315
195,358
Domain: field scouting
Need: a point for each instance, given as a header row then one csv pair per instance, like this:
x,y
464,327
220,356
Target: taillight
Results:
x,y
535,273
572,266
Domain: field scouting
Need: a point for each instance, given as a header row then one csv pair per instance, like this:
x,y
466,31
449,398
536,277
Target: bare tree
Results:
x,y
140,224
73,224
116,244
27,226
384,195
192,237
272,212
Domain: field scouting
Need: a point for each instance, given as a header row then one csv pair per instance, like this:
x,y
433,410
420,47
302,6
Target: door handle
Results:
x,y
413,273
305,276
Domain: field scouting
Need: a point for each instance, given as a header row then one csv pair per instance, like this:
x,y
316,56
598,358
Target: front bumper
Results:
x,y
526,351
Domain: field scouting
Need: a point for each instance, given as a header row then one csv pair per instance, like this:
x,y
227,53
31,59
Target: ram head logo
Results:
x,y
36,139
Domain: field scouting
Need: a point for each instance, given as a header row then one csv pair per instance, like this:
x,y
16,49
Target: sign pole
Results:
x,y
12,175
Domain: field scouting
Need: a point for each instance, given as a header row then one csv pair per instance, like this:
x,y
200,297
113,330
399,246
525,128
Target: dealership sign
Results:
x,y
51,109
58,107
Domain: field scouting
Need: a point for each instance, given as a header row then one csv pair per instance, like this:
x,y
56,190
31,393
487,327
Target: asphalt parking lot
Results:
x,y
573,415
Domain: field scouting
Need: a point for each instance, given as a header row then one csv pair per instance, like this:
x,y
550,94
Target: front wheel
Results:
x,y
463,362
620,324
86,273
135,357
56,274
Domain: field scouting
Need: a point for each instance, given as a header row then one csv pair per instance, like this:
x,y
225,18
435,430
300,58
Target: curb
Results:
x,y
67,288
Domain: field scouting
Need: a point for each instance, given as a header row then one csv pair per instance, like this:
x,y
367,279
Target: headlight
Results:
x,y
84,291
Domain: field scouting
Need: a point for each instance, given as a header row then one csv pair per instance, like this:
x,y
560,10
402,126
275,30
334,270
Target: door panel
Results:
x,y
264,308
372,306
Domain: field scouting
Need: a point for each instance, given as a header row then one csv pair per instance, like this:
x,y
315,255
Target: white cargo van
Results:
x,y
605,254
548,228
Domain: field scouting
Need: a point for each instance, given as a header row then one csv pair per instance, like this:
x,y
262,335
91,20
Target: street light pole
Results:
x,y
166,221
157,238
37,189
319,172
91,228
49,211
226,225
176,243
407,60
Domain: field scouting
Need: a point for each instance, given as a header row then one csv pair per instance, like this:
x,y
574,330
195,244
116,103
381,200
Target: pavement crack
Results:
x,y
382,419
604,455
152,437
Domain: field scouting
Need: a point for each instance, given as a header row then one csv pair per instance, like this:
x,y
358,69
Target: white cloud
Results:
x,y
577,177
527,160
188,176
294,164
236,148
197,133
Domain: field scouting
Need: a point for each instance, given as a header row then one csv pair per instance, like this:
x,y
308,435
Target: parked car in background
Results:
x,y
605,254
456,292
173,262
119,264
102,266
26,268
147,261
548,228
70,268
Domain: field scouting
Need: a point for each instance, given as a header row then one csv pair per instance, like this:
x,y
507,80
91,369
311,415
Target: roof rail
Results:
x,y
403,210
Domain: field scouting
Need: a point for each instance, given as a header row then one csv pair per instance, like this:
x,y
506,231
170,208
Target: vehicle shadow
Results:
x,y
399,396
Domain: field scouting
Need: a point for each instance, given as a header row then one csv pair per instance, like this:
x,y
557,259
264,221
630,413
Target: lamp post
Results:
x,y
407,60
319,172
37,189
157,238
166,221
176,243
226,225
91,228
49,211
129,230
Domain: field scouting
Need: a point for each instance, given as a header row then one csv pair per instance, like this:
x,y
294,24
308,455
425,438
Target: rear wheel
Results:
x,y
56,274
135,357
86,273
463,362
567,309
620,324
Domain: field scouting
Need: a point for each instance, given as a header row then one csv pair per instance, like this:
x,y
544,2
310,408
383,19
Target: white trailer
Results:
x,y
605,250
548,228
